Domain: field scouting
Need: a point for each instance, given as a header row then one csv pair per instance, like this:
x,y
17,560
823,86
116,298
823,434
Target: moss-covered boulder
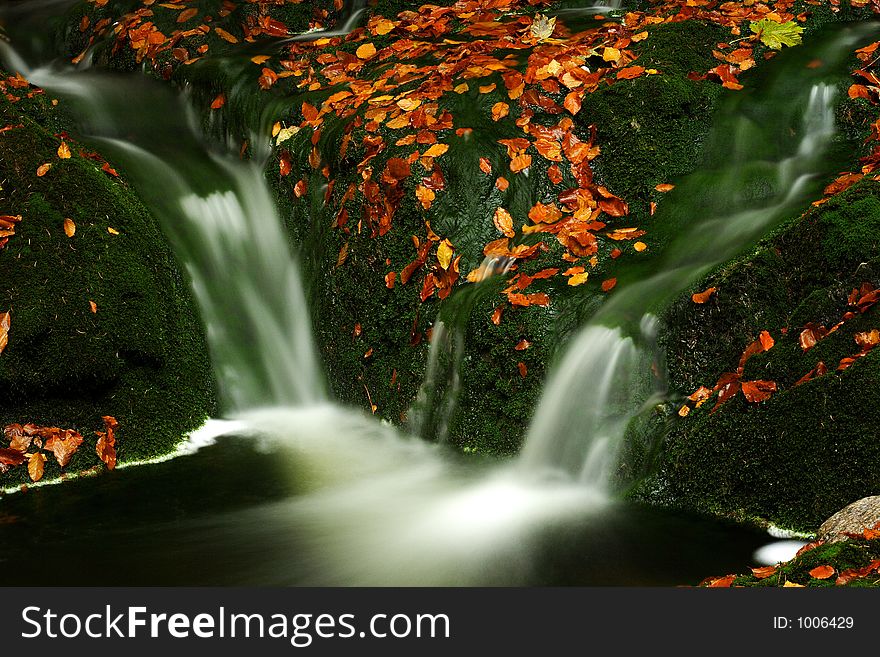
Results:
x,y
102,321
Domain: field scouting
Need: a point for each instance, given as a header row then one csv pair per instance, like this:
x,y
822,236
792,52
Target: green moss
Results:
x,y
66,366
842,556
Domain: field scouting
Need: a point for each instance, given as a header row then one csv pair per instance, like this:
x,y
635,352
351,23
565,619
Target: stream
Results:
x,y
305,492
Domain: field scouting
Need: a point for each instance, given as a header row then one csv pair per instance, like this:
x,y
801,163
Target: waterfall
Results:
x,y
602,380
225,229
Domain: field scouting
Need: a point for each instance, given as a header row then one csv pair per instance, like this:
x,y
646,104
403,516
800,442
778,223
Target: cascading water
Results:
x,y
379,507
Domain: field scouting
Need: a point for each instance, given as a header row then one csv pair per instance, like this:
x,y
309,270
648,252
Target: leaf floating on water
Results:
x,y
776,35
5,323
703,297
822,572
36,464
69,228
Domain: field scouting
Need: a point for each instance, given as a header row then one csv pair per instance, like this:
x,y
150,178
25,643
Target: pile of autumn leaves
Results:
x,y
729,384
27,444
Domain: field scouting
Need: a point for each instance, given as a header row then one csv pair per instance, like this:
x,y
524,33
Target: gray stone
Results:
x,y
853,519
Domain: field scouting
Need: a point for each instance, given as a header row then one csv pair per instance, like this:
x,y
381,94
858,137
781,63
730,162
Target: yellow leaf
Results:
x,y
436,150
112,230
260,59
384,26
640,246
64,151
611,54
366,51
444,253
578,279
792,585
462,88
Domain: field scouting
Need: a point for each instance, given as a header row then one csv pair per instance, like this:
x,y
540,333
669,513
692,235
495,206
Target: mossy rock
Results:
x,y
141,355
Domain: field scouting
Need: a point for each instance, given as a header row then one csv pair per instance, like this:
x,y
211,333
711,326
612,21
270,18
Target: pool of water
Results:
x,y
232,514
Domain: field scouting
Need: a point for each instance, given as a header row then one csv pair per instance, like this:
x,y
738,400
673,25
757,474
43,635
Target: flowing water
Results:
x,y
318,494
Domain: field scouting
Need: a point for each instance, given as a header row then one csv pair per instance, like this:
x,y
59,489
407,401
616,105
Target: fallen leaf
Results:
x,y
43,169
703,297
366,51
792,585
94,307
106,446
390,277
522,345
630,72
64,151
722,582
822,572
219,101
11,456
69,228
758,391
504,222
523,370
36,464
542,27
64,445
764,572
609,284
664,187
640,246
520,162
5,322
444,253
436,150
775,35
499,111
187,14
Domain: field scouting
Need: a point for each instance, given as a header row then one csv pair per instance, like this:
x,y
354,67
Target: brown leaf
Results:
x,y
822,572
722,582
36,463
5,323
64,445
106,447
523,370
187,14
703,297
630,72
496,315
10,456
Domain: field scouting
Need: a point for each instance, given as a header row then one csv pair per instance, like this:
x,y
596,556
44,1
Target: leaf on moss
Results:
x,y
5,323
36,464
776,35
106,447
822,572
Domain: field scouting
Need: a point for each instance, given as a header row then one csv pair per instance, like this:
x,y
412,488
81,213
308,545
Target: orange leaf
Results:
x,y
64,445
499,111
436,150
722,582
64,151
503,222
93,307
284,164
11,456
43,169
496,315
219,102
520,162
390,277
36,463
664,187
502,183
822,572
640,246
703,297
106,447
425,195
764,572
69,228
226,36
5,321
609,284
758,391
485,165
523,370
572,102
630,72
522,345
366,51
545,214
